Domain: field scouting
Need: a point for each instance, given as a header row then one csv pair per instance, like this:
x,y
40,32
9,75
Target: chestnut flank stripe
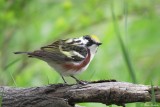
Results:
x,y
71,66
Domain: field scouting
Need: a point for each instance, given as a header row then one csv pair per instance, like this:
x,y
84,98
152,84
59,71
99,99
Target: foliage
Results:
x,y
27,25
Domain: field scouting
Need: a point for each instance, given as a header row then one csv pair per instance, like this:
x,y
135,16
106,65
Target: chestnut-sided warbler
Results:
x,y
69,56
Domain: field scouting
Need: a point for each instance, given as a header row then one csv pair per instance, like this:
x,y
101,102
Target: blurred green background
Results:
x,y
128,29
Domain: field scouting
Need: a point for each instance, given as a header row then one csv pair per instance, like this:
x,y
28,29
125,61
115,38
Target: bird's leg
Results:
x,y
77,80
63,79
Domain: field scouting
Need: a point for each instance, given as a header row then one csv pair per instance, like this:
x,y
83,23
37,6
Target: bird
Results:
x,y
68,56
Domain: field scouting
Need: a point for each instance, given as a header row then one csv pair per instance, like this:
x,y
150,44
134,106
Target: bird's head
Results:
x,y
89,41
92,42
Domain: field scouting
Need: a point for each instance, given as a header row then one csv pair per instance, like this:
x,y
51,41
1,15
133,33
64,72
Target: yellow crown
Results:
x,y
94,37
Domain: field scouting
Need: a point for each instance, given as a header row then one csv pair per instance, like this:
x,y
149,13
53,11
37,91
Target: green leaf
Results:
x,y
122,44
13,79
10,64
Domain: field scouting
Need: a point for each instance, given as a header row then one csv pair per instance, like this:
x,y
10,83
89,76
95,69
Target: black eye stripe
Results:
x,y
90,41
87,37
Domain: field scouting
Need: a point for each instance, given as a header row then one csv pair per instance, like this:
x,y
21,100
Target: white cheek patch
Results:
x,y
84,41
93,48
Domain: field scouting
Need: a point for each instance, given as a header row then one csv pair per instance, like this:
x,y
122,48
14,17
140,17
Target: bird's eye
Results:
x,y
90,41
87,37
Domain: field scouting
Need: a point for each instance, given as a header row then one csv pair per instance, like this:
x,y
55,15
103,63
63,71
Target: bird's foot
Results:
x,y
82,82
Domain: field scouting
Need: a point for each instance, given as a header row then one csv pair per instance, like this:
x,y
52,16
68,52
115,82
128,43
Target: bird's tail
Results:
x,y
37,54
21,52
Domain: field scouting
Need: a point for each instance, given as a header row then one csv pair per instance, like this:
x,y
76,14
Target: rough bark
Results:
x,y
63,95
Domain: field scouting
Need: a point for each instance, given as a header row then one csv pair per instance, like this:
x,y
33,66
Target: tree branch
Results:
x,y
63,95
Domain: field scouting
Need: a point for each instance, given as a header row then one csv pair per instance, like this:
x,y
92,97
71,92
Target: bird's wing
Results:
x,y
60,52
77,53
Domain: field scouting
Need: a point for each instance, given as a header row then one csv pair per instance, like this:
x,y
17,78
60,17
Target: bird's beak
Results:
x,y
99,44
